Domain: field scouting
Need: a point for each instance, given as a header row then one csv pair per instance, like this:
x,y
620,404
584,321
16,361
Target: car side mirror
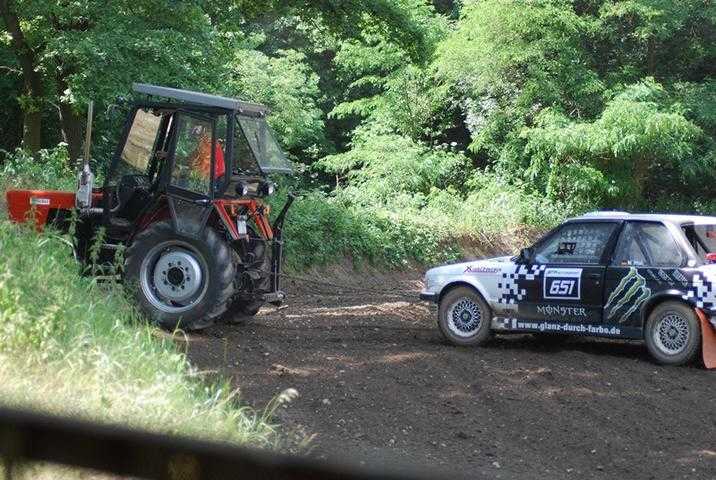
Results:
x,y
525,255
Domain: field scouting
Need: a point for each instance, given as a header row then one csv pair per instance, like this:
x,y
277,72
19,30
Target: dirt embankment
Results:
x,y
378,385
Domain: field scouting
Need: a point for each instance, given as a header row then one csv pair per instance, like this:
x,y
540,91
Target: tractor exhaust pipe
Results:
x,y
85,180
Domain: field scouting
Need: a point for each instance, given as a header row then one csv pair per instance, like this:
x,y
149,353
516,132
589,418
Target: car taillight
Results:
x,y
711,257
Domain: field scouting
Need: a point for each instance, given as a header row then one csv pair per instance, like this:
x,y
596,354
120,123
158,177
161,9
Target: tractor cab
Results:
x,y
192,146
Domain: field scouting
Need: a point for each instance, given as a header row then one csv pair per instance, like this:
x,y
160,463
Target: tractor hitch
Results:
x,y
277,251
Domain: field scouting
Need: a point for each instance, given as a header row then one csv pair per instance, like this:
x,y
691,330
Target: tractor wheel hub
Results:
x,y
177,276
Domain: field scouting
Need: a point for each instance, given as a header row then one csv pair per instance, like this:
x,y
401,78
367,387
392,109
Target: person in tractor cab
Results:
x,y
201,157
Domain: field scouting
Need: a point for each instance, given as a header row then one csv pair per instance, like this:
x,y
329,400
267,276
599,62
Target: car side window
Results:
x,y
647,244
576,243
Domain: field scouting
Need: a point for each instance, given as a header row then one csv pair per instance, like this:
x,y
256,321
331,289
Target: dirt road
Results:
x,y
377,384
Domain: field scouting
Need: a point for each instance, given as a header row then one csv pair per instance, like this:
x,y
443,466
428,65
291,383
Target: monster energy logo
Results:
x,y
632,290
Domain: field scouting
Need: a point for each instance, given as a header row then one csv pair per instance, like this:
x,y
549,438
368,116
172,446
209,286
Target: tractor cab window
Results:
x,y
137,151
263,144
702,238
244,160
192,155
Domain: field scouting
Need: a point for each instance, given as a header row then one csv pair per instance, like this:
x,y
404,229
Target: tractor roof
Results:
x,y
203,99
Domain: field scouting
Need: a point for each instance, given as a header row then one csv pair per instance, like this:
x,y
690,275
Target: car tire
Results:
x,y
180,281
464,317
672,333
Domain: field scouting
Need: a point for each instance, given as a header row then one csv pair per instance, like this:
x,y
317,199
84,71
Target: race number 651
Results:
x,y
562,283
562,287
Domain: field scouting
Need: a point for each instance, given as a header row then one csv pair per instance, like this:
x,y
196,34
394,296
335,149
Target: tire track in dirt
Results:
x,y
378,385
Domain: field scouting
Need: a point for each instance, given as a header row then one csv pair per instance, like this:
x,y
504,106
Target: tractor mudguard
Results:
x,y
708,340
188,217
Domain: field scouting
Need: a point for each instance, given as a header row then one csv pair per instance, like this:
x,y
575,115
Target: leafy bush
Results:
x,y
72,346
613,160
50,169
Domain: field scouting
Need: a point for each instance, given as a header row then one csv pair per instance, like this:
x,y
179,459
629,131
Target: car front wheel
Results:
x,y
464,318
672,333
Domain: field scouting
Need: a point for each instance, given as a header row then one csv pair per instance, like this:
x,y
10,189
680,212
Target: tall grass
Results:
x,y
71,346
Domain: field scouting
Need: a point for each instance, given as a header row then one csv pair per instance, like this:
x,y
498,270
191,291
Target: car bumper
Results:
x,y
429,296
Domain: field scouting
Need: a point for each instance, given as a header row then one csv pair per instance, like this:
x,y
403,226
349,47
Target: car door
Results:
x,y
646,259
570,265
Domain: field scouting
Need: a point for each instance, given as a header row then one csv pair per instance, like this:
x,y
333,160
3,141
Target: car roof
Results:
x,y
677,219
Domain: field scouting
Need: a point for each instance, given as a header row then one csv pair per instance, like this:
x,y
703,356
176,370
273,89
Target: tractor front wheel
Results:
x,y
180,281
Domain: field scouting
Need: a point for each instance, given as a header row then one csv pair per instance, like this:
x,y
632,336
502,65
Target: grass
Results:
x,y
73,347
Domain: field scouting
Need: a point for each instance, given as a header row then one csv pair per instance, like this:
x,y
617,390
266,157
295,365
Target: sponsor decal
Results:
x,y
479,269
564,327
631,292
562,283
39,201
561,311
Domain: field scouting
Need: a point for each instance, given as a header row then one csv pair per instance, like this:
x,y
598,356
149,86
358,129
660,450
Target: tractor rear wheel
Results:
x,y
180,281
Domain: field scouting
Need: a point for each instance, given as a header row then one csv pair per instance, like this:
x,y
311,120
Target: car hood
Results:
x,y
473,266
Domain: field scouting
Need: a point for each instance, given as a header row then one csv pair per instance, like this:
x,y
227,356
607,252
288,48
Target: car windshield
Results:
x,y
266,150
702,238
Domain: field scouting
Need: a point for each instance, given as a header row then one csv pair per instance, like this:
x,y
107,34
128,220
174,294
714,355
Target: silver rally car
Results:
x,y
607,274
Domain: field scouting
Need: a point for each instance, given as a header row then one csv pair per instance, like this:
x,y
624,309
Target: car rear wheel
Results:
x,y
464,318
672,334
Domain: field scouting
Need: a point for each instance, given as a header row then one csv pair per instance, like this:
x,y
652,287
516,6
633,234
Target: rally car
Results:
x,y
607,274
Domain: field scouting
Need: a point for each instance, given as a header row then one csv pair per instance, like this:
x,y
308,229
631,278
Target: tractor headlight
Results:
x,y
267,188
242,189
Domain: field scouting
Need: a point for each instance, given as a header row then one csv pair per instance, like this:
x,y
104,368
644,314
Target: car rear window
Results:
x,y
648,244
702,238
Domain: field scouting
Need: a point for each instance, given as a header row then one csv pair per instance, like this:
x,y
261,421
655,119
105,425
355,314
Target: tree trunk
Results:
x,y
70,122
32,104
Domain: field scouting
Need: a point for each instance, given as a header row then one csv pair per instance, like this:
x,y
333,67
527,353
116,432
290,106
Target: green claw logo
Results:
x,y
632,290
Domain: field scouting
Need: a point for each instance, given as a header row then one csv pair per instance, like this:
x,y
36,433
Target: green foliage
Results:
x,y
288,86
75,347
614,159
49,169
381,166
416,123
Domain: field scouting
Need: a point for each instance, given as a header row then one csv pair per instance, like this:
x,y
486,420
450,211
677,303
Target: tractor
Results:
x,y
184,200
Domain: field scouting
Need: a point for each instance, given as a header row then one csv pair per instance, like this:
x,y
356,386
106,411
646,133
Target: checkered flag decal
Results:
x,y
509,290
701,291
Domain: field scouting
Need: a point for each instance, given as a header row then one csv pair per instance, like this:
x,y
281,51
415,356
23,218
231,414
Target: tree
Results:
x,y
27,57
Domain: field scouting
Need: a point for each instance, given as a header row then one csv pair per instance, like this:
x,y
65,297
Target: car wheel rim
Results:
x,y
173,277
671,334
464,317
